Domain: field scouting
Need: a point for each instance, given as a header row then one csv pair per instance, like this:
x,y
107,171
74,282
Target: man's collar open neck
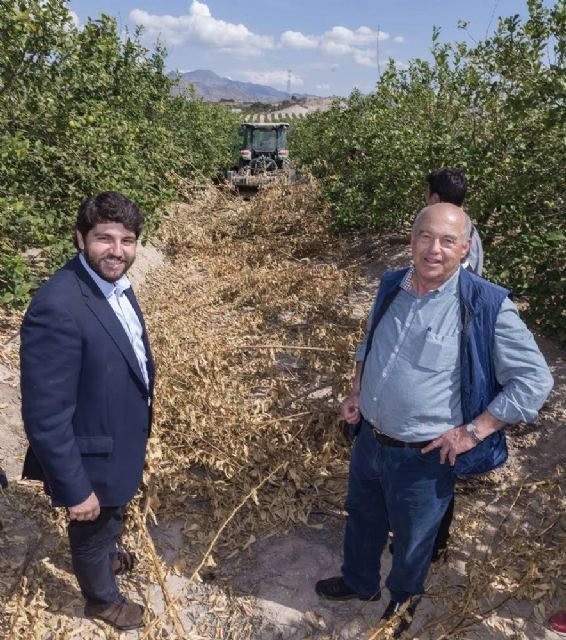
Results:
x,y
422,289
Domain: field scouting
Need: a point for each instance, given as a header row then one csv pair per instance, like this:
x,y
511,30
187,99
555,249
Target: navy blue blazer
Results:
x,y
84,400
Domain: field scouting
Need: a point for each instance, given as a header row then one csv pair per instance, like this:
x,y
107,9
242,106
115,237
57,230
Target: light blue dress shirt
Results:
x,y
411,381
114,292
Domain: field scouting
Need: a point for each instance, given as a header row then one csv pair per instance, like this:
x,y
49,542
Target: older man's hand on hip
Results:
x,y
459,440
451,443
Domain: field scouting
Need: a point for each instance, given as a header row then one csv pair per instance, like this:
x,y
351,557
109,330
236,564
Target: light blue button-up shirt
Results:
x,y
114,292
411,381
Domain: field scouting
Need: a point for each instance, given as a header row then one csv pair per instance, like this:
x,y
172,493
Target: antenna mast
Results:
x,y
377,54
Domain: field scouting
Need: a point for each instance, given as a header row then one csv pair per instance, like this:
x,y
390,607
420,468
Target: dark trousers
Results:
x,y
93,547
443,534
397,489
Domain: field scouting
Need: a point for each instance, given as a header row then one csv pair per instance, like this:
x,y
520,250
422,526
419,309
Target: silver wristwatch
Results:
x,y
472,431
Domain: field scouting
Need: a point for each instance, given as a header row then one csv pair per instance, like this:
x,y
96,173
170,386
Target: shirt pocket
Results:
x,y
439,352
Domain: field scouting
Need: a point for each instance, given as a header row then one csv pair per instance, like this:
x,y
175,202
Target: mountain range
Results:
x,y
212,88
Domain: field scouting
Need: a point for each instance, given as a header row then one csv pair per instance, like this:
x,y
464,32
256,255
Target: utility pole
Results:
x,y
289,76
377,55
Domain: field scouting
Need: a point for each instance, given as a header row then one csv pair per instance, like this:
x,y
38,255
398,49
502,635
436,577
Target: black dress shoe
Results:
x,y
400,614
336,589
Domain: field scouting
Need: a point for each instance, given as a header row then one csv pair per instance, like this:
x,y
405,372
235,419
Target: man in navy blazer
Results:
x,y
87,385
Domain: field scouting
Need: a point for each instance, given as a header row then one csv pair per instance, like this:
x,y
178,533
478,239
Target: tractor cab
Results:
x,y
264,158
264,146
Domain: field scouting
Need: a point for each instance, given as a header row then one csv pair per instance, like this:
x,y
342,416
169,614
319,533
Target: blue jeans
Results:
x,y
397,489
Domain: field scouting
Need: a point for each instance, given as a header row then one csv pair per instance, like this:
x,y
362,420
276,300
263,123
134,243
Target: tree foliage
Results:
x,y
495,109
83,111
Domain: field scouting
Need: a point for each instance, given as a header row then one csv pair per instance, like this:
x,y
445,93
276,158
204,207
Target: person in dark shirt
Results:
x,y
450,185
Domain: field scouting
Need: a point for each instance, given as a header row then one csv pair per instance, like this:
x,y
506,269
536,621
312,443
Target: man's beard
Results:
x,y
104,270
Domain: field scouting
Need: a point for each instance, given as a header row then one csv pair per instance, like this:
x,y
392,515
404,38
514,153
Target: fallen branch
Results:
x,y
169,601
290,347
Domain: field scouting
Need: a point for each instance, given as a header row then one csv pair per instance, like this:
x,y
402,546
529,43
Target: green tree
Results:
x,y
496,110
82,111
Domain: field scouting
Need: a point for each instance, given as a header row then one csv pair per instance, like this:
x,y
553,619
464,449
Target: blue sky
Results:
x,y
329,46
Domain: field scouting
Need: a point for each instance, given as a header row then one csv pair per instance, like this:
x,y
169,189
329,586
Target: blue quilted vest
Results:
x,y
480,302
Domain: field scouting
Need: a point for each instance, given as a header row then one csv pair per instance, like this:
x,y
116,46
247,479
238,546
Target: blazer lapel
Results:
x,y
150,364
101,308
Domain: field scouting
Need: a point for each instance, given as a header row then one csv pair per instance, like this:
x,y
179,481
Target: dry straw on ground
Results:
x,y
251,325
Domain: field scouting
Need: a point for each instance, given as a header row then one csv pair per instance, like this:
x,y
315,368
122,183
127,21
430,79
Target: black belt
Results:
x,y
392,442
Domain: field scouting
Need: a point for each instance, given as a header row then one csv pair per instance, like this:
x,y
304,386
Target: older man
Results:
x,y
450,185
448,364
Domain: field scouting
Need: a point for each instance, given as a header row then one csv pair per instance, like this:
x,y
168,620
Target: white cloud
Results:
x,y
200,27
276,78
322,87
296,40
359,37
365,58
338,41
335,48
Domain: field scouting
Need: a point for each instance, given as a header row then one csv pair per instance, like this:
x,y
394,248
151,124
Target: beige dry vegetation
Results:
x,y
257,328
252,325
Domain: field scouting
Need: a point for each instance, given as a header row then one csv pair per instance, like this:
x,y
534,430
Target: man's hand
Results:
x,y
350,408
457,440
451,443
87,510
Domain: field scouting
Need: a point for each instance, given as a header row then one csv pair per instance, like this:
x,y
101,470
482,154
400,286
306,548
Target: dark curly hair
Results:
x,y
109,206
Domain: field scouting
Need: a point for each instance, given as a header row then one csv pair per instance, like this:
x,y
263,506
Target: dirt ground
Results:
x,y
502,578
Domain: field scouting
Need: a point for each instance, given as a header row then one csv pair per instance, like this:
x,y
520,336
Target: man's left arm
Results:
x,y
521,370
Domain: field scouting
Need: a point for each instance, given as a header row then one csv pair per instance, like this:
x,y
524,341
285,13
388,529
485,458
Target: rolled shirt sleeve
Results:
x,y
520,369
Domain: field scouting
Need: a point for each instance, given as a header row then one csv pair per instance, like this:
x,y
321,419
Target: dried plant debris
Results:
x,y
9,337
254,331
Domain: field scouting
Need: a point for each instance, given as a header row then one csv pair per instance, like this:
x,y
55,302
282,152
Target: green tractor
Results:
x,y
264,157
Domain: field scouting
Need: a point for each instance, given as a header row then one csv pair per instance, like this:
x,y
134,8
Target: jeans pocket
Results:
x,y
432,457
